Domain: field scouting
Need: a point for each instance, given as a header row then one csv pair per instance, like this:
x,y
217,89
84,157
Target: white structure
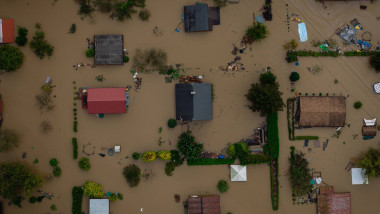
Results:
x,y
238,173
117,148
99,206
358,176
376,88
370,122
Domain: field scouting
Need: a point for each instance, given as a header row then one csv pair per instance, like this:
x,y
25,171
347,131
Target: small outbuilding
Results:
x,y
203,204
359,176
200,17
7,31
107,100
109,49
322,111
193,101
238,173
369,131
99,206
333,203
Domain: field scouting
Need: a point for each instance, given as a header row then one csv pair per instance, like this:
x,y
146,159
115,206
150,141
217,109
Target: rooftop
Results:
x,y
203,204
333,203
106,100
109,49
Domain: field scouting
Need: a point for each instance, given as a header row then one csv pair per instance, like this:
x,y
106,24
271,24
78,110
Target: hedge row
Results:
x,y
77,194
75,147
292,56
273,138
306,138
210,161
246,158
275,199
362,53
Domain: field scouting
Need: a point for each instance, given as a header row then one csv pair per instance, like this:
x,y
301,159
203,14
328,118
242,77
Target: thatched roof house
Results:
x,y
369,130
203,204
333,203
322,111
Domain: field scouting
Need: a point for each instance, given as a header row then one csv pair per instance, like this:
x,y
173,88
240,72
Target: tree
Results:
x,y
268,78
222,186
358,104
294,76
84,164
18,179
85,7
172,123
132,175
299,174
371,162
256,32
188,147
11,58
53,162
374,61
93,190
39,45
9,140
265,96
148,156
123,10
21,39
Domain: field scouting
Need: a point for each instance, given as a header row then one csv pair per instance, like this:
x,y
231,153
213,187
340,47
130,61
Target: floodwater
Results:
x,y
201,54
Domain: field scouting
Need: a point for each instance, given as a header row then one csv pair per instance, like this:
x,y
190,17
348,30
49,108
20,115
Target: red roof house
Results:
x,y
7,31
106,100
333,203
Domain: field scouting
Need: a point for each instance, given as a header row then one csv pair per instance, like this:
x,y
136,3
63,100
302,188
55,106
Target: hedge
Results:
x,y
362,53
75,148
77,194
292,56
306,138
273,138
274,205
246,158
210,161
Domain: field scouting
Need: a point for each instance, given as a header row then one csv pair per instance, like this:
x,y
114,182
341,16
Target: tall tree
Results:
x,y
371,162
188,147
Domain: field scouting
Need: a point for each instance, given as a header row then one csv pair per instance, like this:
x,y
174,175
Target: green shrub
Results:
x,y
32,199
222,186
93,190
172,123
231,149
126,59
11,58
371,163
113,197
77,194
291,56
256,32
73,28
53,207
144,15
75,148
53,162
57,171
188,147
169,168
210,161
273,137
274,194
36,160
132,175
84,164
299,174
176,157
136,156
148,156
164,155
220,3
21,39
306,138
292,44
40,198
294,76
358,105
85,7
90,52
39,45
120,195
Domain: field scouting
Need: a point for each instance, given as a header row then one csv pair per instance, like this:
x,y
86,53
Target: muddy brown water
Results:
x,y
202,54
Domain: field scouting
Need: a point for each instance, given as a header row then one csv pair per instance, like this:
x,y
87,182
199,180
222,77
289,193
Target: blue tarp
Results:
x,y
302,32
260,19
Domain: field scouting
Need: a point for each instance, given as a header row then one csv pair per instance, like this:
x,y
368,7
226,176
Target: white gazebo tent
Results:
x,y
370,122
358,176
238,173
99,206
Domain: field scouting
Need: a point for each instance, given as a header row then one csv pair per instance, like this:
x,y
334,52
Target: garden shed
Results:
x,y
203,204
358,176
200,17
238,173
7,31
322,111
333,203
106,100
109,49
193,101
99,206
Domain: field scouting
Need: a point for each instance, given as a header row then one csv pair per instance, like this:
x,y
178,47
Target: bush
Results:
x,y
220,3
132,175
294,76
93,190
176,158
84,164
126,59
172,123
291,56
292,44
40,198
21,39
113,197
169,168
11,58
73,28
148,156
299,174
210,161
136,156
274,187
164,155
9,140
77,194
231,149
57,171
85,7
374,61
358,105
45,126
273,137
53,207
149,59
39,45
306,138
32,199
144,15
53,162
256,32
222,186
371,163
90,52
75,148
120,195
246,158
188,147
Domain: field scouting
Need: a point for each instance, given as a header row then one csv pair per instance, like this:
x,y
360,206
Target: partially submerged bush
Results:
x,y
9,140
291,56
73,28
149,59
21,39
144,15
299,174
77,194
126,59
148,156
172,123
136,156
222,186
371,163
294,76
132,175
164,155
291,45
93,190
45,126
375,61
84,164
53,162
188,146
256,32
90,52
220,3
57,171
358,105
39,45
85,7
75,148
169,168
11,58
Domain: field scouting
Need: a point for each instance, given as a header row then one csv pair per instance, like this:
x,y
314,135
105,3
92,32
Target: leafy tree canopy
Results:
x,y
371,162
11,58
188,147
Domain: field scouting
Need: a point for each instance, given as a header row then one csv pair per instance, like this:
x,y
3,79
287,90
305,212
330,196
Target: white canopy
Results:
x,y
238,173
370,122
358,176
99,206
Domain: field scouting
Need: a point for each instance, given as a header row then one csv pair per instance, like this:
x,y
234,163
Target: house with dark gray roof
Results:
x,y
193,101
200,17
109,49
